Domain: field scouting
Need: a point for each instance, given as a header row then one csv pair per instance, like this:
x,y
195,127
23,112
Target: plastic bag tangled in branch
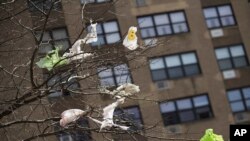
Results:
x,y
210,136
124,90
108,113
130,40
75,52
71,115
51,60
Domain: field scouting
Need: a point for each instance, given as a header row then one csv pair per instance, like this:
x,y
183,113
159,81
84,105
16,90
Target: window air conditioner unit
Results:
x,y
215,33
241,118
174,129
161,85
229,74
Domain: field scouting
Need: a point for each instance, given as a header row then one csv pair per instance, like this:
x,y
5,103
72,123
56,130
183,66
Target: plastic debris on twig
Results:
x,y
75,52
124,90
91,37
130,40
51,60
70,116
210,136
108,113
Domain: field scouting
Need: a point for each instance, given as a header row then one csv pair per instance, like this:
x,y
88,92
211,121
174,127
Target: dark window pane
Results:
x,y
59,34
81,136
228,20
170,118
212,23
203,112
130,117
191,70
175,72
186,115
240,61
107,82
45,48
159,75
225,64
246,92
63,43
133,112
248,104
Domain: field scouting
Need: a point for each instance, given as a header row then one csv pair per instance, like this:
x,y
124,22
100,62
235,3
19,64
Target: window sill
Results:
x,y
168,35
234,73
140,6
191,122
180,78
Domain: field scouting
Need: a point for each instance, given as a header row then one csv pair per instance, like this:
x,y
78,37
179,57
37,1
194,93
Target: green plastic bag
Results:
x,y
210,136
51,60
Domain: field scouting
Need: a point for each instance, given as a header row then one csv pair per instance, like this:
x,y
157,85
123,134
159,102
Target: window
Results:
x,y
219,16
61,84
187,109
94,1
174,66
130,116
44,5
65,137
76,135
140,3
231,57
162,24
115,76
52,38
239,99
108,33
